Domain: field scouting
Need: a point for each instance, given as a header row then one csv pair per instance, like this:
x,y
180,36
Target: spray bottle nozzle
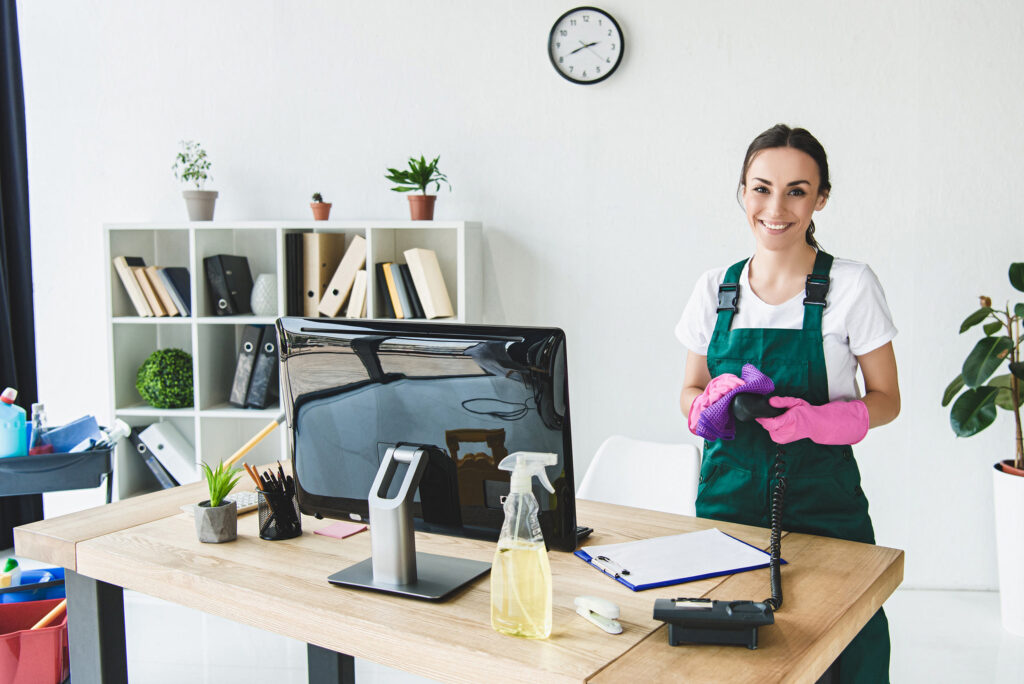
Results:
x,y
525,465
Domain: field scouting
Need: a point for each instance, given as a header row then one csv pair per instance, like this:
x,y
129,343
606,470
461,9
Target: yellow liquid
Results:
x,y
521,591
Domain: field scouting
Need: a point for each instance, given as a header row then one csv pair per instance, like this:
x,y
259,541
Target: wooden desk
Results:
x,y
147,544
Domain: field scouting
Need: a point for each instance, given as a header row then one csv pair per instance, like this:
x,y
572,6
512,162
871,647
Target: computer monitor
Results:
x,y
470,394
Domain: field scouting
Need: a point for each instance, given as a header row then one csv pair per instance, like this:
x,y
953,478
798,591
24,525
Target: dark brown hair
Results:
x,y
781,135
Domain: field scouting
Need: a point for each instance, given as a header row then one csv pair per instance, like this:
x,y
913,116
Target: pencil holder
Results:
x,y
279,516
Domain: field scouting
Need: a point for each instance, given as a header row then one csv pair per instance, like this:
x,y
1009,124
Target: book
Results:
x,y
229,283
147,289
251,335
381,291
357,300
124,265
175,279
341,283
410,289
293,274
263,387
153,274
321,254
403,296
155,467
396,302
429,282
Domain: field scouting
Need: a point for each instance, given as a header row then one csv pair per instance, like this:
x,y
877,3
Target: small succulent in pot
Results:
x,y
220,480
217,521
321,209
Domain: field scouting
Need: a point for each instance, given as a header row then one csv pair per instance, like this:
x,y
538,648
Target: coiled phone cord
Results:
x,y
778,495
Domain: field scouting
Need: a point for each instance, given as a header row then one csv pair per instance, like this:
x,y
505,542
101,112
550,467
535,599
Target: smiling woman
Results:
x,y
808,321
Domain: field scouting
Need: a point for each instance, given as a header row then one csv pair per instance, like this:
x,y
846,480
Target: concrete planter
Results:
x,y
200,204
1008,493
215,525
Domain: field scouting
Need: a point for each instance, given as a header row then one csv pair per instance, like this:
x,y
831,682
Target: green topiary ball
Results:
x,y
165,379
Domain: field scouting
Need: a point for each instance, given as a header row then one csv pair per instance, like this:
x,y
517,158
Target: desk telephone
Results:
x,y
708,621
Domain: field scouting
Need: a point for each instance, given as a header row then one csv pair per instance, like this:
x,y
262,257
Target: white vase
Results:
x,y
200,204
264,295
1008,493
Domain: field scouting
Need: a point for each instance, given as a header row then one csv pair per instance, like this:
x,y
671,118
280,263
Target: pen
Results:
x,y
608,565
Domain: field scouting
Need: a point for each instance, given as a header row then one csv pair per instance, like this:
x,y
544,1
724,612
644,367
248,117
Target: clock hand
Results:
x,y
583,45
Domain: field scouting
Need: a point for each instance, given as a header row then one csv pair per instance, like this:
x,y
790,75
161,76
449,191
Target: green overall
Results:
x,y
823,494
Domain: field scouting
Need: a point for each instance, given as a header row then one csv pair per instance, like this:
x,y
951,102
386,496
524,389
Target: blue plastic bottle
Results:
x,y
13,440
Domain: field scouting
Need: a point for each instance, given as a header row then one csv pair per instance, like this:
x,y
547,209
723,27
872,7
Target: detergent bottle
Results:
x,y
521,574
13,439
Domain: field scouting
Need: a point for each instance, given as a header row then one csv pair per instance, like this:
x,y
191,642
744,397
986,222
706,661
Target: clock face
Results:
x,y
585,45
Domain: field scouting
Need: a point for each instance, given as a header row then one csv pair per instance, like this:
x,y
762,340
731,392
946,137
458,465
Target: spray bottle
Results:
x,y
13,440
521,574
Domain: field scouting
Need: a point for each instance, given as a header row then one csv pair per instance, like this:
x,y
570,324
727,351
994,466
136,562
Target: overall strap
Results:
x,y
728,296
816,291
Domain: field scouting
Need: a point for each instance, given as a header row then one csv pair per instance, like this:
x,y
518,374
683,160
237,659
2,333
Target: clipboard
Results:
x,y
674,559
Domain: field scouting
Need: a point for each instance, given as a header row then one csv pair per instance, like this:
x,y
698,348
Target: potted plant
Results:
x,y
191,167
321,209
418,176
975,409
217,520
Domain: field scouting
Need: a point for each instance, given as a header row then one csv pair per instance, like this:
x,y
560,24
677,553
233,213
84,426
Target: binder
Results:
x,y
677,558
174,453
357,300
155,467
403,296
175,279
147,290
341,282
251,335
426,274
321,254
410,290
389,278
124,265
263,388
381,292
230,284
153,275
293,273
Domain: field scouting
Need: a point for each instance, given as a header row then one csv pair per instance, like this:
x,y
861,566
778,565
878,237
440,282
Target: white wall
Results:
x,y
601,204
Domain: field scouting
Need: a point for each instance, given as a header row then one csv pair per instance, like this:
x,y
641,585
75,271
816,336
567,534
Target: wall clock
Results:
x,y
585,45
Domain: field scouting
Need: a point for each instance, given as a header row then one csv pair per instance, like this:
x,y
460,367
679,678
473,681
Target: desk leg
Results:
x,y
95,631
329,667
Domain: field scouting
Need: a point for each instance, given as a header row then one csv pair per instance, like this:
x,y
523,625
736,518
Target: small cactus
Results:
x,y
317,197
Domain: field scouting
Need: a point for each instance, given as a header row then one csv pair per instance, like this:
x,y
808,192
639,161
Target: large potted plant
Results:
x,y
418,176
217,519
191,167
981,394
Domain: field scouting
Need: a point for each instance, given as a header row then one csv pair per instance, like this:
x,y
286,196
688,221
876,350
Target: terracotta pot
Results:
x,y
321,210
421,207
1007,467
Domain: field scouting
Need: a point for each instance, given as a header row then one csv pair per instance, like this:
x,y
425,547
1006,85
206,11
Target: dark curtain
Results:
x,y
17,327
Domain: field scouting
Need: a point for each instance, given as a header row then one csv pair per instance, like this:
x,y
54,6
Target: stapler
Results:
x,y
601,612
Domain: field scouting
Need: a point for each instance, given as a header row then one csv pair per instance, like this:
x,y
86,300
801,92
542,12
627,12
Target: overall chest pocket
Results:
x,y
791,375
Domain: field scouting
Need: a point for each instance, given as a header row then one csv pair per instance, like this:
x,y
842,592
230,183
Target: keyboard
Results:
x,y
245,501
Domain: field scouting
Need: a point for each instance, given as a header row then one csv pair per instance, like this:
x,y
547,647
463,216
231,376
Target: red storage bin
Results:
x,y
32,657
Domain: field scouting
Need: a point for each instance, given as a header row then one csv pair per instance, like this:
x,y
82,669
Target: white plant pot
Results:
x,y
200,204
1008,492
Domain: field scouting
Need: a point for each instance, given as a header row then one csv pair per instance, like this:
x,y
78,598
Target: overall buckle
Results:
x,y
816,289
728,295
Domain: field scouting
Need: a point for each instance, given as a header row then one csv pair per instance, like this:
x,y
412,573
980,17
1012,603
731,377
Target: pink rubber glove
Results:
x,y
837,422
719,386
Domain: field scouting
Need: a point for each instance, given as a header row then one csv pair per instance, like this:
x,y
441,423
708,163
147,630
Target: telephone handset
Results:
x,y
708,621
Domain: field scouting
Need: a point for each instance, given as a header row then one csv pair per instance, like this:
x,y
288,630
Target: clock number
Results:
x,y
558,44
572,22
613,46
608,60
609,32
586,18
561,60
563,33
570,68
584,74
597,70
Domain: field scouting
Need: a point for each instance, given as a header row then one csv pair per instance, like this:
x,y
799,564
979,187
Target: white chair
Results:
x,y
652,475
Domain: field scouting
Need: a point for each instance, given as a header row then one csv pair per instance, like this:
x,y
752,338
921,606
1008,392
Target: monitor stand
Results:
x,y
394,566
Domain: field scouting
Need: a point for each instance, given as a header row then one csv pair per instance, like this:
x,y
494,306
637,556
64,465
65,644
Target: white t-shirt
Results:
x,y
856,319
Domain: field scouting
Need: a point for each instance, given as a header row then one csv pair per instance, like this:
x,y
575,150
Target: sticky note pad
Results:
x,y
340,530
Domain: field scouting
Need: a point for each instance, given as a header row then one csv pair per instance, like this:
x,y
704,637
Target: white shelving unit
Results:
x,y
214,427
